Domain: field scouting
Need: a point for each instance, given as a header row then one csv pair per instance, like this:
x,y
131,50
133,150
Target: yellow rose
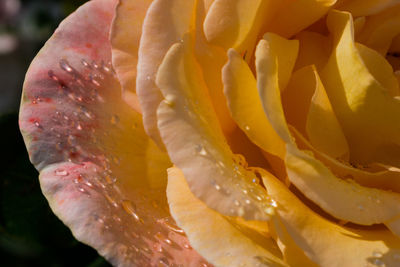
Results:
x,y
278,123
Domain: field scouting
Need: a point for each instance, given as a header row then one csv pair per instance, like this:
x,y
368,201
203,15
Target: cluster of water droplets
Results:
x,y
244,178
141,226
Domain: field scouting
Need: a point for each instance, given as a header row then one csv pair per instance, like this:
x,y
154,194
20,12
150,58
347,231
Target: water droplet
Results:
x,y
61,172
110,179
130,209
377,254
169,100
37,124
200,149
85,63
79,127
247,128
236,202
247,201
64,65
270,211
273,203
378,262
114,119
111,200
217,187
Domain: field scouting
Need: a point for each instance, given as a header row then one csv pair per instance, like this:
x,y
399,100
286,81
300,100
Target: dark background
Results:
x,y
30,234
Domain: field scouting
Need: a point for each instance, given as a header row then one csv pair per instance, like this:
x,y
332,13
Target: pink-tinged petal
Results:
x,y
100,172
125,37
165,23
195,142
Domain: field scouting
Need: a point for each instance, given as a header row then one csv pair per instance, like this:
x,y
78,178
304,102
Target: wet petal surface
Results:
x,y
101,174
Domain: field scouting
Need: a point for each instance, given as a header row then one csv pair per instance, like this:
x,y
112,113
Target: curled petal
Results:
x,y
275,59
342,199
100,172
360,101
366,7
238,246
195,143
165,24
125,36
319,238
244,103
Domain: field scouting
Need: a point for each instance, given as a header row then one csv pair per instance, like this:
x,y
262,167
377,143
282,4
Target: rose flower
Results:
x,y
222,132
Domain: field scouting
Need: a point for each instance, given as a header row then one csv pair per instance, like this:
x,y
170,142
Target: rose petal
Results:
x,y
323,128
292,253
211,59
380,29
359,8
314,49
343,199
275,58
221,240
236,23
165,23
388,179
380,68
125,36
244,103
195,143
101,174
296,98
326,243
360,102
298,15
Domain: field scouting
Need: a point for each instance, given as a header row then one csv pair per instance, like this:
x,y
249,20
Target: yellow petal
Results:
x,y
366,7
244,103
236,23
388,178
125,36
221,240
395,45
343,199
380,29
326,243
323,129
361,104
380,68
165,23
296,97
292,253
211,59
314,49
275,58
298,15
195,143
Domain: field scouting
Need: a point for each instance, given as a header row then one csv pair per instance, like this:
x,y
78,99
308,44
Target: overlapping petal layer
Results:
x,y
101,174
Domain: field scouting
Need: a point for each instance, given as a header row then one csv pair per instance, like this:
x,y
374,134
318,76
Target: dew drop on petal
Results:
x,y
64,65
200,149
130,209
114,119
61,172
